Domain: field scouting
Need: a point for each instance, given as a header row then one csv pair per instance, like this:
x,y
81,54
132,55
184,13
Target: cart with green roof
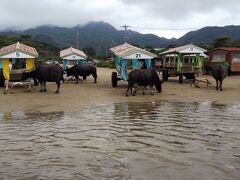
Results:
x,y
182,61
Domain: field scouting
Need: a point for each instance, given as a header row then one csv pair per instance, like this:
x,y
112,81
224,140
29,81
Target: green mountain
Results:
x,y
101,36
207,35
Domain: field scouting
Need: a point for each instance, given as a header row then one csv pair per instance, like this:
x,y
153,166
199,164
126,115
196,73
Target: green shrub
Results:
x,y
105,64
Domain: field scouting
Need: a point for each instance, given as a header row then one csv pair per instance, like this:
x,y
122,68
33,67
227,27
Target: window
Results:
x,y
236,57
172,62
167,61
186,59
219,57
18,63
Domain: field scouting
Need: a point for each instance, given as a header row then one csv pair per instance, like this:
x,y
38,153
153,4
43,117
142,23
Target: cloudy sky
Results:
x,y
165,18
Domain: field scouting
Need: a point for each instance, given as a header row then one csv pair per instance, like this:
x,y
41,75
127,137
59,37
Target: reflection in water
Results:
x,y
13,116
159,140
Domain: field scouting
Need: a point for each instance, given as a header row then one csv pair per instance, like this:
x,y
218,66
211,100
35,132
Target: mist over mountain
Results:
x,y
101,36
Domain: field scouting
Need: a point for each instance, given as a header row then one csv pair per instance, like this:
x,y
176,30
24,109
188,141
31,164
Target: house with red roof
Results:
x,y
225,55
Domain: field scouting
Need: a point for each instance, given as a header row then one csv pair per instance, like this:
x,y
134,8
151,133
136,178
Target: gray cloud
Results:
x,y
170,18
177,9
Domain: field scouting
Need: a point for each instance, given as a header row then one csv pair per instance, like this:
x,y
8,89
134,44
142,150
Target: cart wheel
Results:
x,y
165,75
181,79
114,79
84,77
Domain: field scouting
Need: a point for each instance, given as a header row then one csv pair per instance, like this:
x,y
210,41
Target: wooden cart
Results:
x,y
14,60
127,58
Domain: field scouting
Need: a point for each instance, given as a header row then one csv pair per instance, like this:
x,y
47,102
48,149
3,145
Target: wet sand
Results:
x,y
74,97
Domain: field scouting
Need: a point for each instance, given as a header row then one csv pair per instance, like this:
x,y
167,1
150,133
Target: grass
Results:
x,y
105,64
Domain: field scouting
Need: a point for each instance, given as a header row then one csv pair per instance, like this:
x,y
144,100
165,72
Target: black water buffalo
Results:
x,y
144,77
45,73
219,73
82,70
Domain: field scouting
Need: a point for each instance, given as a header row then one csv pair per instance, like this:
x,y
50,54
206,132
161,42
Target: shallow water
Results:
x,y
163,140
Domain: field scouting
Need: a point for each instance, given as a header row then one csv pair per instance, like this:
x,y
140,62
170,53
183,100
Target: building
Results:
x,y
126,57
225,55
182,61
72,56
129,56
15,57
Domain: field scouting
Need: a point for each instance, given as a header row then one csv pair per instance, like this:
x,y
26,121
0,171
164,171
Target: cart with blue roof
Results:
x,y
127,57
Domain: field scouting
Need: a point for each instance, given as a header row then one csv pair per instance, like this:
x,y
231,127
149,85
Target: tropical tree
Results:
x,y
90,51
25,37
235,43
222,42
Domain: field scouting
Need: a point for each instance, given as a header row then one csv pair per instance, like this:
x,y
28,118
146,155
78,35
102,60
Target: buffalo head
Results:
x,y
28,74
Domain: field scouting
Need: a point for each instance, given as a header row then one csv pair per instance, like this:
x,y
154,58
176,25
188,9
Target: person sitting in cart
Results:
x,y
228,68
10,65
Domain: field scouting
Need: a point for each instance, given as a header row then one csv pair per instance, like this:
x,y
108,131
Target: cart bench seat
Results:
x,y
16,75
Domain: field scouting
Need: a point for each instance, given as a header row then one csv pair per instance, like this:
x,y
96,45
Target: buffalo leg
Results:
x,y
220,86
217,84
76,77
45,90
144,89
129,87
36,83
58,87
95,78
133,91
127,90
41,86
152,89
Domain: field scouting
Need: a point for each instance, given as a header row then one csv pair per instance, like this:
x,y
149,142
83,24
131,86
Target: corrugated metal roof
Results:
x,y
18,46
226,49
127,49
181,48
71,50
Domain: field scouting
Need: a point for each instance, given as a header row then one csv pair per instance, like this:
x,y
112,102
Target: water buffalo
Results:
x,y
144,77
45,73
219,73
82,70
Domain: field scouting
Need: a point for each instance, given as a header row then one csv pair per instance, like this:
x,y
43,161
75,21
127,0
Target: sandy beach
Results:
x,y
73,96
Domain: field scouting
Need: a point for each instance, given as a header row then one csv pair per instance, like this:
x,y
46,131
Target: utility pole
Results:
x,y
77,40
127,33
106,53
